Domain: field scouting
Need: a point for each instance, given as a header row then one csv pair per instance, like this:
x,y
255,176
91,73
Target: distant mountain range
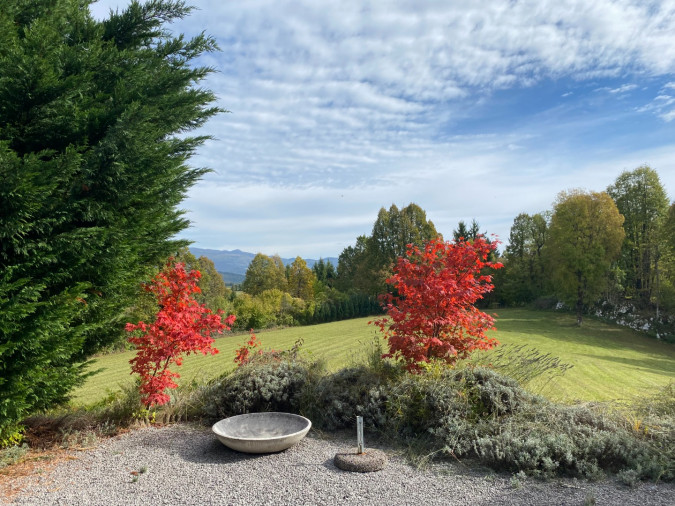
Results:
x,y
232,264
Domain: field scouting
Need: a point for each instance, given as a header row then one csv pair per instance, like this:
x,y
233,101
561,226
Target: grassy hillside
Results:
x,y
338,343
609,362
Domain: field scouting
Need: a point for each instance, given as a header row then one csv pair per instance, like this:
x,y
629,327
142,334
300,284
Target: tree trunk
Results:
x,y
580,304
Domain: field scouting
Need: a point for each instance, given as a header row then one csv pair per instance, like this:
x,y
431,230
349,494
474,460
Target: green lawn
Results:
x,y
338,343
610,362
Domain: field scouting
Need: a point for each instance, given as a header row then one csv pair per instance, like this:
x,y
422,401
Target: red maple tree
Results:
x,y
431,314
182,326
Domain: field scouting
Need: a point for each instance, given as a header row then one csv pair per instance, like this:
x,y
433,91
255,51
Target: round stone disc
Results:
x,y
366,462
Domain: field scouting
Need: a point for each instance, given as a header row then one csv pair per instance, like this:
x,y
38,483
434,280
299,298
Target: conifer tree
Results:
x,y
93,166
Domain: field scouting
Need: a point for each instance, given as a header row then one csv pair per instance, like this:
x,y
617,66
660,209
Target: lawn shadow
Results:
x,y
562,328
663,365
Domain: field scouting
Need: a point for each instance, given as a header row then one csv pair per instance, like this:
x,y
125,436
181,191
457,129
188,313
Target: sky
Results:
x,y
470,109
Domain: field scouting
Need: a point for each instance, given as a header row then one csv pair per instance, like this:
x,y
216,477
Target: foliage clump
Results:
x,y
342,396
272,381
182,326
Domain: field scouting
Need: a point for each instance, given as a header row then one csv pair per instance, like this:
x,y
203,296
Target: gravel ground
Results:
x,y
182,464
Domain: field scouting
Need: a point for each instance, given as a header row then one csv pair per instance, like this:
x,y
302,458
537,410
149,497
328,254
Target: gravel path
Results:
x,y
183,464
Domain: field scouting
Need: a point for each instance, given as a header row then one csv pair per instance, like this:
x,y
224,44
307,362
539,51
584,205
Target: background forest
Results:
x,y
610,254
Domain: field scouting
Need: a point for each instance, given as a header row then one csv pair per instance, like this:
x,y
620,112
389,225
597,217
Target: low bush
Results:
x,y
261,386
337,399
548,439
12,454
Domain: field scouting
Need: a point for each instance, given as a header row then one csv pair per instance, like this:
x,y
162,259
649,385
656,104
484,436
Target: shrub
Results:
x,y
261,386
337,399
431,312
12,455
549,439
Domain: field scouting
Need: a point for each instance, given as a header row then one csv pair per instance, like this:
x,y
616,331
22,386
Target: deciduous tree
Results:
x,y
264,273
181,326
301,280
213,292
366,266
525,266
585,237
432,314
641,198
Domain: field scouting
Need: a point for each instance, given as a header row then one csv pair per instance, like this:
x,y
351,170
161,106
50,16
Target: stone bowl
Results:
x,y
261,432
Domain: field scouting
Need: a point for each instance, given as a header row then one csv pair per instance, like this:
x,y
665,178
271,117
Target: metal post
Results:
x,y
359,434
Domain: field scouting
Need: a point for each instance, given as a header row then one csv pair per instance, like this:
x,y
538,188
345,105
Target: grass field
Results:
x,y
338,343
610,362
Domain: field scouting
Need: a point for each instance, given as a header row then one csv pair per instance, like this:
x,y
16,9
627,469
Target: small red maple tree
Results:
x,y
242,356
431,315
182,325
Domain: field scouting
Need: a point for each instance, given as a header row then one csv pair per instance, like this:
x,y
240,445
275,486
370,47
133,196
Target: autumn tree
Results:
x,y
641,198
301,280
432,314
181,326
585,237
264,273
95,121
213,292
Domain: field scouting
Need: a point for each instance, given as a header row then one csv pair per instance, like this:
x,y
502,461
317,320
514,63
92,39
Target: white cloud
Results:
x,y
340,107
623,89
662,105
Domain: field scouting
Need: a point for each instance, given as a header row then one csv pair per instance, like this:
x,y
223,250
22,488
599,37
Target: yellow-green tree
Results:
x,y
264,273
585,237
301,280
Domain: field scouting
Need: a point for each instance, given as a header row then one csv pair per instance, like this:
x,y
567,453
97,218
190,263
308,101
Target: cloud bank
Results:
x,y
469,109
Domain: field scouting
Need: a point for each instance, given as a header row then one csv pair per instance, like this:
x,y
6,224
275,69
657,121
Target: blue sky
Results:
x,y
470,109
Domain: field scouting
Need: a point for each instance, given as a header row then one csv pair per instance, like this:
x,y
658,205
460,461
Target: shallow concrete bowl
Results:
x,y
261,432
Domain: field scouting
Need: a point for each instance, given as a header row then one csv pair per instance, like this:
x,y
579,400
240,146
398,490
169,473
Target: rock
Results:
x,y
366,462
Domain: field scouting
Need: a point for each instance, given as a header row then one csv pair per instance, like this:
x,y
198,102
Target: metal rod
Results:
x,y
359,434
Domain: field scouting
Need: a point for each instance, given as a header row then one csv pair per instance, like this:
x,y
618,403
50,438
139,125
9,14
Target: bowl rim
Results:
x,y
305,429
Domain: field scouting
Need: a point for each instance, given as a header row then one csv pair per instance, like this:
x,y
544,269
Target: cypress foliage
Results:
x,y
92,169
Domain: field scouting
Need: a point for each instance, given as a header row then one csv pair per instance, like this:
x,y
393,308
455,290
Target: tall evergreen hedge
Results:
x,y
93,164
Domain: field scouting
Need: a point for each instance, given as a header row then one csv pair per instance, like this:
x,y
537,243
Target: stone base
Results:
x,y
366,462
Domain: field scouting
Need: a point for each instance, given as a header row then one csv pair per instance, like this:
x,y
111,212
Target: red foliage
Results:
x,y
432,314
182,326
243,354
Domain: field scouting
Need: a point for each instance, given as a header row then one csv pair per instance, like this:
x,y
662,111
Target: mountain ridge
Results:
x,y
236,261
